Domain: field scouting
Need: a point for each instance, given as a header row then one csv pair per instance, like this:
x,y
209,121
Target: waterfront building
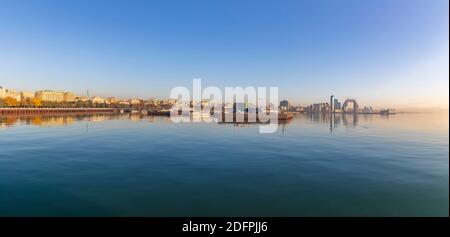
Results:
x,y
9,93
336,105
97,100
168,102
49,95
81,98
284,105
26,95
124,102
325,108
111,100
332,103
55,96
153,102
239,107
204,103
134,101
69,97
368,109
317,107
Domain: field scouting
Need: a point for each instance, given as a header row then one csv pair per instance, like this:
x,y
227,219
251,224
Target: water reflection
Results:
x,y
332,121
139,165
53,120
71,118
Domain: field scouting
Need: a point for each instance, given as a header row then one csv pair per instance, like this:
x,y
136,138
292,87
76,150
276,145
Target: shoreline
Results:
x,y
8,111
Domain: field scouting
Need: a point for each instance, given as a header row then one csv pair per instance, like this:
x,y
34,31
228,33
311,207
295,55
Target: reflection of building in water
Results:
x,y
334,120
52,121
55,120
349,119
97,118
135,117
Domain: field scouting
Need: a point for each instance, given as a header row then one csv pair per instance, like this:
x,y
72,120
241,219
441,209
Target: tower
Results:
x,y
331,103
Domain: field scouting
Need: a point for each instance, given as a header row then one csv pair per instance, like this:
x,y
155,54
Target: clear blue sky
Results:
x,y
382,52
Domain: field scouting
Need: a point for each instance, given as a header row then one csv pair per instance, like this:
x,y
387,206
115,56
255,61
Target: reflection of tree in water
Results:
x,y
7,121
36,121
53,119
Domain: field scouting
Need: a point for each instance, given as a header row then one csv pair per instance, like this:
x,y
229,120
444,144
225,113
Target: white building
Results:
x,y
134,101
97,100
9,93
26,95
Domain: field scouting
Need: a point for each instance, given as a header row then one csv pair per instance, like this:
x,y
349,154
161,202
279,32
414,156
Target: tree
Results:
x,y
10,102
36,102
25,102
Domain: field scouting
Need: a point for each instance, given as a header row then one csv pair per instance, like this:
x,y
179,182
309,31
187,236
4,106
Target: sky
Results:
x,y
384,53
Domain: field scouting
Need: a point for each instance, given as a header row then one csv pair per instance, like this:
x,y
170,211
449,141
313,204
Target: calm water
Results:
x,y
369,165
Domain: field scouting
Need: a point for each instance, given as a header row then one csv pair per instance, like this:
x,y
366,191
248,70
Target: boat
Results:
x,y
283,116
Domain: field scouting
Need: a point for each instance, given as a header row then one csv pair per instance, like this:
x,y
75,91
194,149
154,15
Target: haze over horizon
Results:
x,y
383,53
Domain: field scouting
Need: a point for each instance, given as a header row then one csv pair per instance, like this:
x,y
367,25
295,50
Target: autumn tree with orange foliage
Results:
x,y
10,102
36,102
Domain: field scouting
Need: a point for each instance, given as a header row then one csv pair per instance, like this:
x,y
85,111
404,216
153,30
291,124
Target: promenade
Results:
x,y
5,111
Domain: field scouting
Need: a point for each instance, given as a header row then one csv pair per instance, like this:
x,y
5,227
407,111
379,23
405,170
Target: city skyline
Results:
x,y
383,53
68,96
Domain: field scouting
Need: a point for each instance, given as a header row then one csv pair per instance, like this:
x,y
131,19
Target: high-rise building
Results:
x,y
284,105
336,105
331,103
